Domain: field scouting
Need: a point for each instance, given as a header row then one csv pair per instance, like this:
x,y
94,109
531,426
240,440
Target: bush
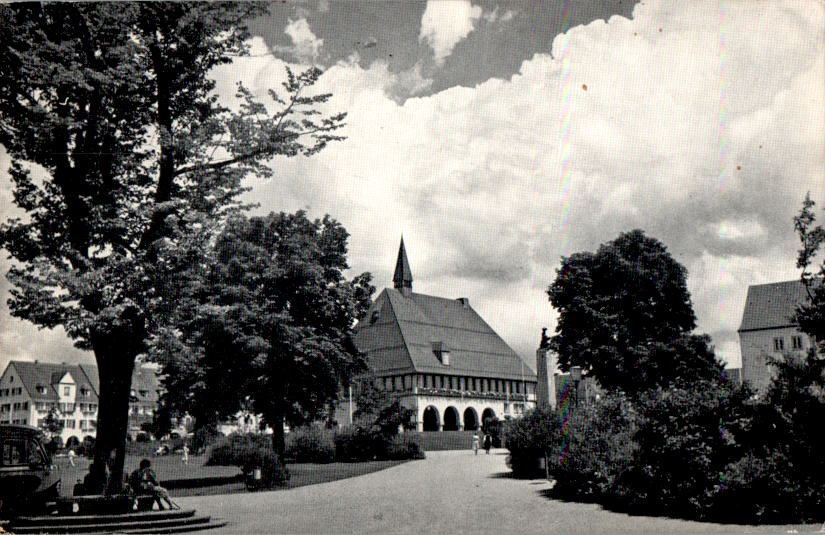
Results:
x,y
250,451
359,443
205,436
591,446
311,444
780,477
527,439
405,446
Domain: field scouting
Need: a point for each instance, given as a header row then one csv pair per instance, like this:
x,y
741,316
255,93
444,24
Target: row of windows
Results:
x,y
11,391
141,410
796,343
72,424
473,384
19,406
65,407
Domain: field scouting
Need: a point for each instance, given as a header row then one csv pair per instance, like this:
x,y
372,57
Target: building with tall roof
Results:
x,y
768,329
29,391
440,358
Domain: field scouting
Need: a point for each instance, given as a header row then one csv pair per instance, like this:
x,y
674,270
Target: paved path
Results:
x,y
449,492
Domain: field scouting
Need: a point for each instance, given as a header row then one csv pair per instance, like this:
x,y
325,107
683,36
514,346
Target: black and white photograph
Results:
x,y
412,266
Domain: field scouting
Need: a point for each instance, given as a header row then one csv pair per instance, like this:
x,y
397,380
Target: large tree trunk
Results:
x,y
115,372
116,351
276,420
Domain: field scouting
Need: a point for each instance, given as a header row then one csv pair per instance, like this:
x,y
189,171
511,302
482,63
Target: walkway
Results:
x,y
449,492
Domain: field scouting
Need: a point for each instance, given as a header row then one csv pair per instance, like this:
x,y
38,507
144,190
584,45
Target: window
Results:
x,y
67,391
779,344
41,389
84,392
14,453
11,378
25,405
796,342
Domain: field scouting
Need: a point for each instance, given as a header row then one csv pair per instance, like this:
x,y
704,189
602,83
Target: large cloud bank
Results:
x,y
699,122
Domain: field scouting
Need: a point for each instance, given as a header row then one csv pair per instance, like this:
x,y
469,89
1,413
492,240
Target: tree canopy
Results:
x,y
811,316
123,161
271,319
625,315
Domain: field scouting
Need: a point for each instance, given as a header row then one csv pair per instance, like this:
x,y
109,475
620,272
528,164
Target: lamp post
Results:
x,y
576,377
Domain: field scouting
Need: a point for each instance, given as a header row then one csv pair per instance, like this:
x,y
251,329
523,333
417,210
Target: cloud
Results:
x,y
445,23
305,45
701,123
700,133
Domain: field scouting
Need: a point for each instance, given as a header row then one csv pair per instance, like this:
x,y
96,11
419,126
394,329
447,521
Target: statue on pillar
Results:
x,y
545,340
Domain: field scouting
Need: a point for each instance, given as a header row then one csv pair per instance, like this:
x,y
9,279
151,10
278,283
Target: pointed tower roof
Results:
x,y
403,276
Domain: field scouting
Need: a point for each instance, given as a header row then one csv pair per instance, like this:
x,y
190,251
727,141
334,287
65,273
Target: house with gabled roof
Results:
x,y
440,358
768,329
29,391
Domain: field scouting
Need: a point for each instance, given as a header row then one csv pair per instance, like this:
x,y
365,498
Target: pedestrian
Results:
x,y
185,454
488,443
71,456
143,480
475,443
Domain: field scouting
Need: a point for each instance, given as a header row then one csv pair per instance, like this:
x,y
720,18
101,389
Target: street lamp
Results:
x,y
576,377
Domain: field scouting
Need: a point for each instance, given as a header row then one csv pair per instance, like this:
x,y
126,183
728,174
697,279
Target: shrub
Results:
x,y
250,451
205,436
590,447
405,446
311,444
360,443
527,439
780,477
686,437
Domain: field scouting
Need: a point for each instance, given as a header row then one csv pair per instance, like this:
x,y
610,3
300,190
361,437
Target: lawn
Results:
x,y
195,479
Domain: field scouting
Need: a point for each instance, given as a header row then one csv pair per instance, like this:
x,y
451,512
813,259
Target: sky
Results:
x,y
498,137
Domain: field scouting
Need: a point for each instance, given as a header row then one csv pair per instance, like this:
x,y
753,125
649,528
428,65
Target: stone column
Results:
x,y
547,365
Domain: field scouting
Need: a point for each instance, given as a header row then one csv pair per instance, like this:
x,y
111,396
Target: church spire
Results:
x,y
402,280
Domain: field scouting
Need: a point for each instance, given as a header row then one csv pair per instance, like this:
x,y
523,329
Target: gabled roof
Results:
x,y
399,331
33,374
771,306
47,374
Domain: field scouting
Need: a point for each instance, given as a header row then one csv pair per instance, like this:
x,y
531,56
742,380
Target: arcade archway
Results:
x,y
451,422
431,421
470,419
487,415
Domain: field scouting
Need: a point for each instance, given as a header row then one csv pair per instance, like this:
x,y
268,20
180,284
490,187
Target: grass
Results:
x,y
195,479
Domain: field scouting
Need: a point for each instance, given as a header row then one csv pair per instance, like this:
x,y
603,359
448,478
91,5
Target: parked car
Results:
x,y
27,476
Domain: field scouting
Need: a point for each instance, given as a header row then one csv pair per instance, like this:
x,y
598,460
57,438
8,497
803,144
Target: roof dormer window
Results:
x,y
442,352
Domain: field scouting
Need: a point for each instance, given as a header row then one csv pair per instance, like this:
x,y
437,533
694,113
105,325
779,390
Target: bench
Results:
x,y
101,504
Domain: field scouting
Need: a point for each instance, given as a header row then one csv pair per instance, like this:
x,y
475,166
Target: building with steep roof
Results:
x,y
29,391
440,358
768,329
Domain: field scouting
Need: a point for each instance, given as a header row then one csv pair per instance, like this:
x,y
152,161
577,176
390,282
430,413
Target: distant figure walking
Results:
x,y
488,443
475,443
144,480
185,454
71,456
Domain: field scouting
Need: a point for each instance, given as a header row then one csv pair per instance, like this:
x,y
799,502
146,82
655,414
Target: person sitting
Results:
x,y
144,481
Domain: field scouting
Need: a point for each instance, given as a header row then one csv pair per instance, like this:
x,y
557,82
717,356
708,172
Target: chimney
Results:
x,y
465,302
442,352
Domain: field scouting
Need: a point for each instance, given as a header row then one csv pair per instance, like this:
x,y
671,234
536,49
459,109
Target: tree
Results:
x,y
123,162
811,316
270,320
52,423
625,315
